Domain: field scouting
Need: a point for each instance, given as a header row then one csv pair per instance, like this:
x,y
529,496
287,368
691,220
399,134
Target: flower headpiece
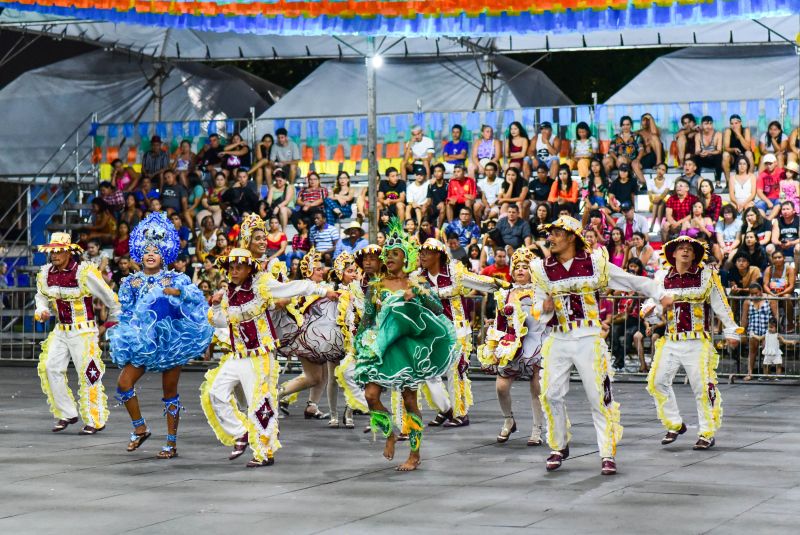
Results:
x,y
158,231
311,260
524,256
279,270
341,263
398,238
250,224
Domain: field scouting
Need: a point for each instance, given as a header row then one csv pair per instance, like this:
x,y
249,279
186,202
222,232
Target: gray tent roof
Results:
x,y
715,74
339,88
48,105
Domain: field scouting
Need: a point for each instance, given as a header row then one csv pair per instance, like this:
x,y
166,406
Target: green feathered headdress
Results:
x,y
398,238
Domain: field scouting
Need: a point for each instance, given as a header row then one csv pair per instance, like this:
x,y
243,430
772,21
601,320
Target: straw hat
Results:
x,y
700,253
239,256
60,241
568,224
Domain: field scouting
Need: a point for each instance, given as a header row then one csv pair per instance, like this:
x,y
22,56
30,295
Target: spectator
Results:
x,y
154,205
583,150
464,228
286,154
489,187
743,274
768,188
622,190
602,224
181,265
790,190
500,267
210,274
639,249
183,234
457,252
540,217
146,193
311,199
625,324
779,281
487,149
544,149
426,230
206,239
678,210
104,225
236,155
512,232
417,195
183,162
340,206
728,230
690,175
590,237
793,154
631,222
124,177
597,188
323,237
221,247
756,323
616,247
626,148
381,238
775,143
712,203
474,256
95,255
155,161
456,150
513,190
754,250
565,191
241,197
539,188
752,220
131,213
517,147
437,196
353,241
212,203
419,150
392,194
699,226
121,239
301,243
658,188
461,191
174,197
651,142
280,199
786,231
686,136
209,156
122,270
742,185
708,146
113,197
276,240
263,167
736,144
488,245
195,200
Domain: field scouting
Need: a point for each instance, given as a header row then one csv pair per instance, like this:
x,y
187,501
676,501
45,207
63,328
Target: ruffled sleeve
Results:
x,y
190,294
127,298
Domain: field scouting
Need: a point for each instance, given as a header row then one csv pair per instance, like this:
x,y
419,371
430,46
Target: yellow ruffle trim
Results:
x,y
611,411
659,397
350,398
208,409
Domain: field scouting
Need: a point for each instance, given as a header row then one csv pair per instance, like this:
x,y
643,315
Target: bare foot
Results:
x,y
388,450
411,463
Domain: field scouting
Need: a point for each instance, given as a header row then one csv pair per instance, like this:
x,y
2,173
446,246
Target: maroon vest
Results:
x,y
68,279
247,330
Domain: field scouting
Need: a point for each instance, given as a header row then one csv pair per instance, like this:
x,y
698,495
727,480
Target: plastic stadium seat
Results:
x,y
308,155
105,171
302,167
349,166
112,153
132,154
356,152
338,154
393,150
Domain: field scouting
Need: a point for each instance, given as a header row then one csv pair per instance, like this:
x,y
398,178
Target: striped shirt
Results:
x,y
323,239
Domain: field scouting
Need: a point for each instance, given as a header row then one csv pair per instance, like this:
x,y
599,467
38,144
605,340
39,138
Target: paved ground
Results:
x,y
335,481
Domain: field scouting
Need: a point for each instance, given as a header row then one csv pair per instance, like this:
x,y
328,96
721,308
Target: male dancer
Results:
x,y
569,283
70,286
688,342
452,283
244,308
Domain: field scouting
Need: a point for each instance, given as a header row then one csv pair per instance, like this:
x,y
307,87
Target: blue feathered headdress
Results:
x,y
157,230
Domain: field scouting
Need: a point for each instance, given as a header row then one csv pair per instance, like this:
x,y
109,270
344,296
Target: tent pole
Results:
x,y
372,141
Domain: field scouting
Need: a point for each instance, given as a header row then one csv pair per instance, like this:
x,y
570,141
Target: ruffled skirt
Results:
x,y
320,338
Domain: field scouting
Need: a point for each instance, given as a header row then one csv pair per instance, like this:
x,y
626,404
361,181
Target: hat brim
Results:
x,y
225,261
56,247
700,252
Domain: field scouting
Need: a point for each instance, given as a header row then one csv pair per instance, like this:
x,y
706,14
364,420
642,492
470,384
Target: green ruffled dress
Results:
x,y
400,343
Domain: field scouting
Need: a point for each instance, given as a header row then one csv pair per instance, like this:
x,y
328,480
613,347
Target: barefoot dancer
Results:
x,y
71,285
513,346
402,341
163,325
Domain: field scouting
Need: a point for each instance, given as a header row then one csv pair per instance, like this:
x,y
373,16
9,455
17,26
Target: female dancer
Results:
x,y
163,325
513,345
403,340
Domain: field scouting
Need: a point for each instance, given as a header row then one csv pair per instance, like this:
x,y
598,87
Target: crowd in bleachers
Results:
x,y
738,191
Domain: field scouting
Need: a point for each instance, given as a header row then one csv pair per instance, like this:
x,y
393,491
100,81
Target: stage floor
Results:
x,y
336,481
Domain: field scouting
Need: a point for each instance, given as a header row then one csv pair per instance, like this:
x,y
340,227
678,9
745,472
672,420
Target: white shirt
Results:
x,y
422,148
490,189
417,193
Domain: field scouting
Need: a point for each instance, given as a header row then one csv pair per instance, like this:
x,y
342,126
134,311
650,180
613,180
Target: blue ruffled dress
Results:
x,y
159,332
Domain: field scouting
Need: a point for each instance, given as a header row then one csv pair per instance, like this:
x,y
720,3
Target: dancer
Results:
x,y
71,285
402,341
245,308
513,346
688,341
163,325
319,341
451,282
568,284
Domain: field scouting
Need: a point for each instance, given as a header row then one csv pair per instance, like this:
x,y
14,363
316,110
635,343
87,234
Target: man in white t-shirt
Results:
x,y
419,151
489,189
417,195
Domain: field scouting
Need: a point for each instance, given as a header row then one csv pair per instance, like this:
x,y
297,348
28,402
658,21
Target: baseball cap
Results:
x,y
546,124
419,170
769,158
155,139
106,184
626,206
624,167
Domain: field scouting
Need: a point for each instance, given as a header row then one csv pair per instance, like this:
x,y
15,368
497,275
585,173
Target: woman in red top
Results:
x,y
301,243
276,240
311,198
712,203
517,147
121,246
564,192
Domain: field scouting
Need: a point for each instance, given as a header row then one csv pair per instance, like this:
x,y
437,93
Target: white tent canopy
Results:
x,y
716,74
410,85
197,45
45,107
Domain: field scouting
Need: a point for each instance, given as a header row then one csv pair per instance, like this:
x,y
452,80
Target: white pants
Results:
x,y
260,419
81,347
589,355
353,393
699,360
